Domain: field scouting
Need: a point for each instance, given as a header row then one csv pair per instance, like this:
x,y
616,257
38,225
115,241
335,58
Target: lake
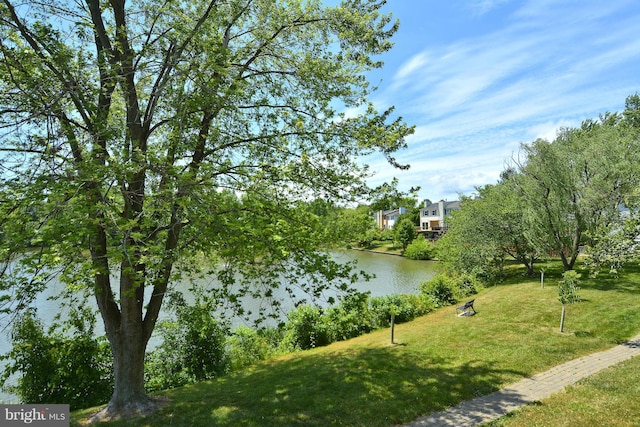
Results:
x,y
393,275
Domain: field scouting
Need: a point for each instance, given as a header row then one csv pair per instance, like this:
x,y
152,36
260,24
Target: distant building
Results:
x,y
433,216
387,219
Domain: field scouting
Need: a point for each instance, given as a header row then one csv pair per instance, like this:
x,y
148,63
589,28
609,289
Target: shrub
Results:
x,y
193,349
163,369
305,328
350,318
465,285
54,368
419,249
247,346
438,290
386,235
205,351
406,306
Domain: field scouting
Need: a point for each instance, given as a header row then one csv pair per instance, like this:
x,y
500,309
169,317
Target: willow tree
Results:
x,y
617,242
140,137
574,186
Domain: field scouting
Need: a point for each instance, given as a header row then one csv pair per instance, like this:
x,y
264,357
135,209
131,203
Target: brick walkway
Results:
x,y
495,405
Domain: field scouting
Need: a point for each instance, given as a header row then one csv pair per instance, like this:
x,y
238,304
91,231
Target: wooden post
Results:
x,y
542,279
562,319
393,316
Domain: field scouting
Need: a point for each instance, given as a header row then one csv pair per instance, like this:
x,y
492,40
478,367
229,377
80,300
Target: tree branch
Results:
x,y
69,85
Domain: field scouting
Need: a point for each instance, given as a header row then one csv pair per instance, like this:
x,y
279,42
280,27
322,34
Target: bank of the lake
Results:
x,y
390,275
438,361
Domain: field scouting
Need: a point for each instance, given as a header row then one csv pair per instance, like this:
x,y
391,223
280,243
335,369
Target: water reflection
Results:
x,y
393,274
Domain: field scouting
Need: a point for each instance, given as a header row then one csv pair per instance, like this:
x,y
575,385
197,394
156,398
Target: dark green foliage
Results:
x,y
465,285
309,327
204,354
420,249
193,349
406,307
305,328
350,318
73,368
247,346
163,370
404,232
444,289
439,290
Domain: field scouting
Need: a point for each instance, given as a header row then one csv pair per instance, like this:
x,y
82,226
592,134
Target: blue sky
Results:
x,y
479,77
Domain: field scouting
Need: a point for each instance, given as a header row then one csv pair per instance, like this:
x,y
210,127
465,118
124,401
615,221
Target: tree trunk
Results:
x,y
129,398
529,265
128,336
562,318
128,364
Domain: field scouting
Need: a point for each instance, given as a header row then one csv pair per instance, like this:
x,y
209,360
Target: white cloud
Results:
x,y
413,64
474,100
549,130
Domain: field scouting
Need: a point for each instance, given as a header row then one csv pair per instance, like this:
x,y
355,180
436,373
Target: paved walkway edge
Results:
x,y
495,405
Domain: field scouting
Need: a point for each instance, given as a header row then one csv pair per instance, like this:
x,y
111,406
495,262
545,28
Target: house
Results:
x,y
433,216
386,219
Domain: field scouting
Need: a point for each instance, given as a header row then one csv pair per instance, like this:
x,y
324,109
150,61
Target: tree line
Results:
x,y
575,194
578,193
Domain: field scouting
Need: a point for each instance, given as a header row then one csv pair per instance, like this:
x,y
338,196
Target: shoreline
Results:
x,y
373,251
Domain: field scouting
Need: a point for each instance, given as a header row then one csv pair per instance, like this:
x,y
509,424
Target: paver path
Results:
x,y
495,405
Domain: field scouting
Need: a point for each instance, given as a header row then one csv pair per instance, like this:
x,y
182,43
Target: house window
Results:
x,y
434,212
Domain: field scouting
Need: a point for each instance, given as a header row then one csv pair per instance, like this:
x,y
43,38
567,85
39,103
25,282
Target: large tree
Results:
x,y
139,137
574,186
618,241
487,229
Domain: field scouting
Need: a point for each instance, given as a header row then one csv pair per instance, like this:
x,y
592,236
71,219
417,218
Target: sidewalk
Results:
x,y
495,405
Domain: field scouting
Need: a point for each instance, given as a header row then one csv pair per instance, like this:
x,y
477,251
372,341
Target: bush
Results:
x,y
247,346
386,235
59,369
406,307
305,328
438,290
419,249
163,370
193,349
349,319
465,285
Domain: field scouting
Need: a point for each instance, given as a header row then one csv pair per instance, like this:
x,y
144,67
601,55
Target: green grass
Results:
x,y
438,361
385,246
609,398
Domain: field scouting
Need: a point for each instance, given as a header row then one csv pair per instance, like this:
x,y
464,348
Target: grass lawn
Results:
x,y
438,361
385,247
609,398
